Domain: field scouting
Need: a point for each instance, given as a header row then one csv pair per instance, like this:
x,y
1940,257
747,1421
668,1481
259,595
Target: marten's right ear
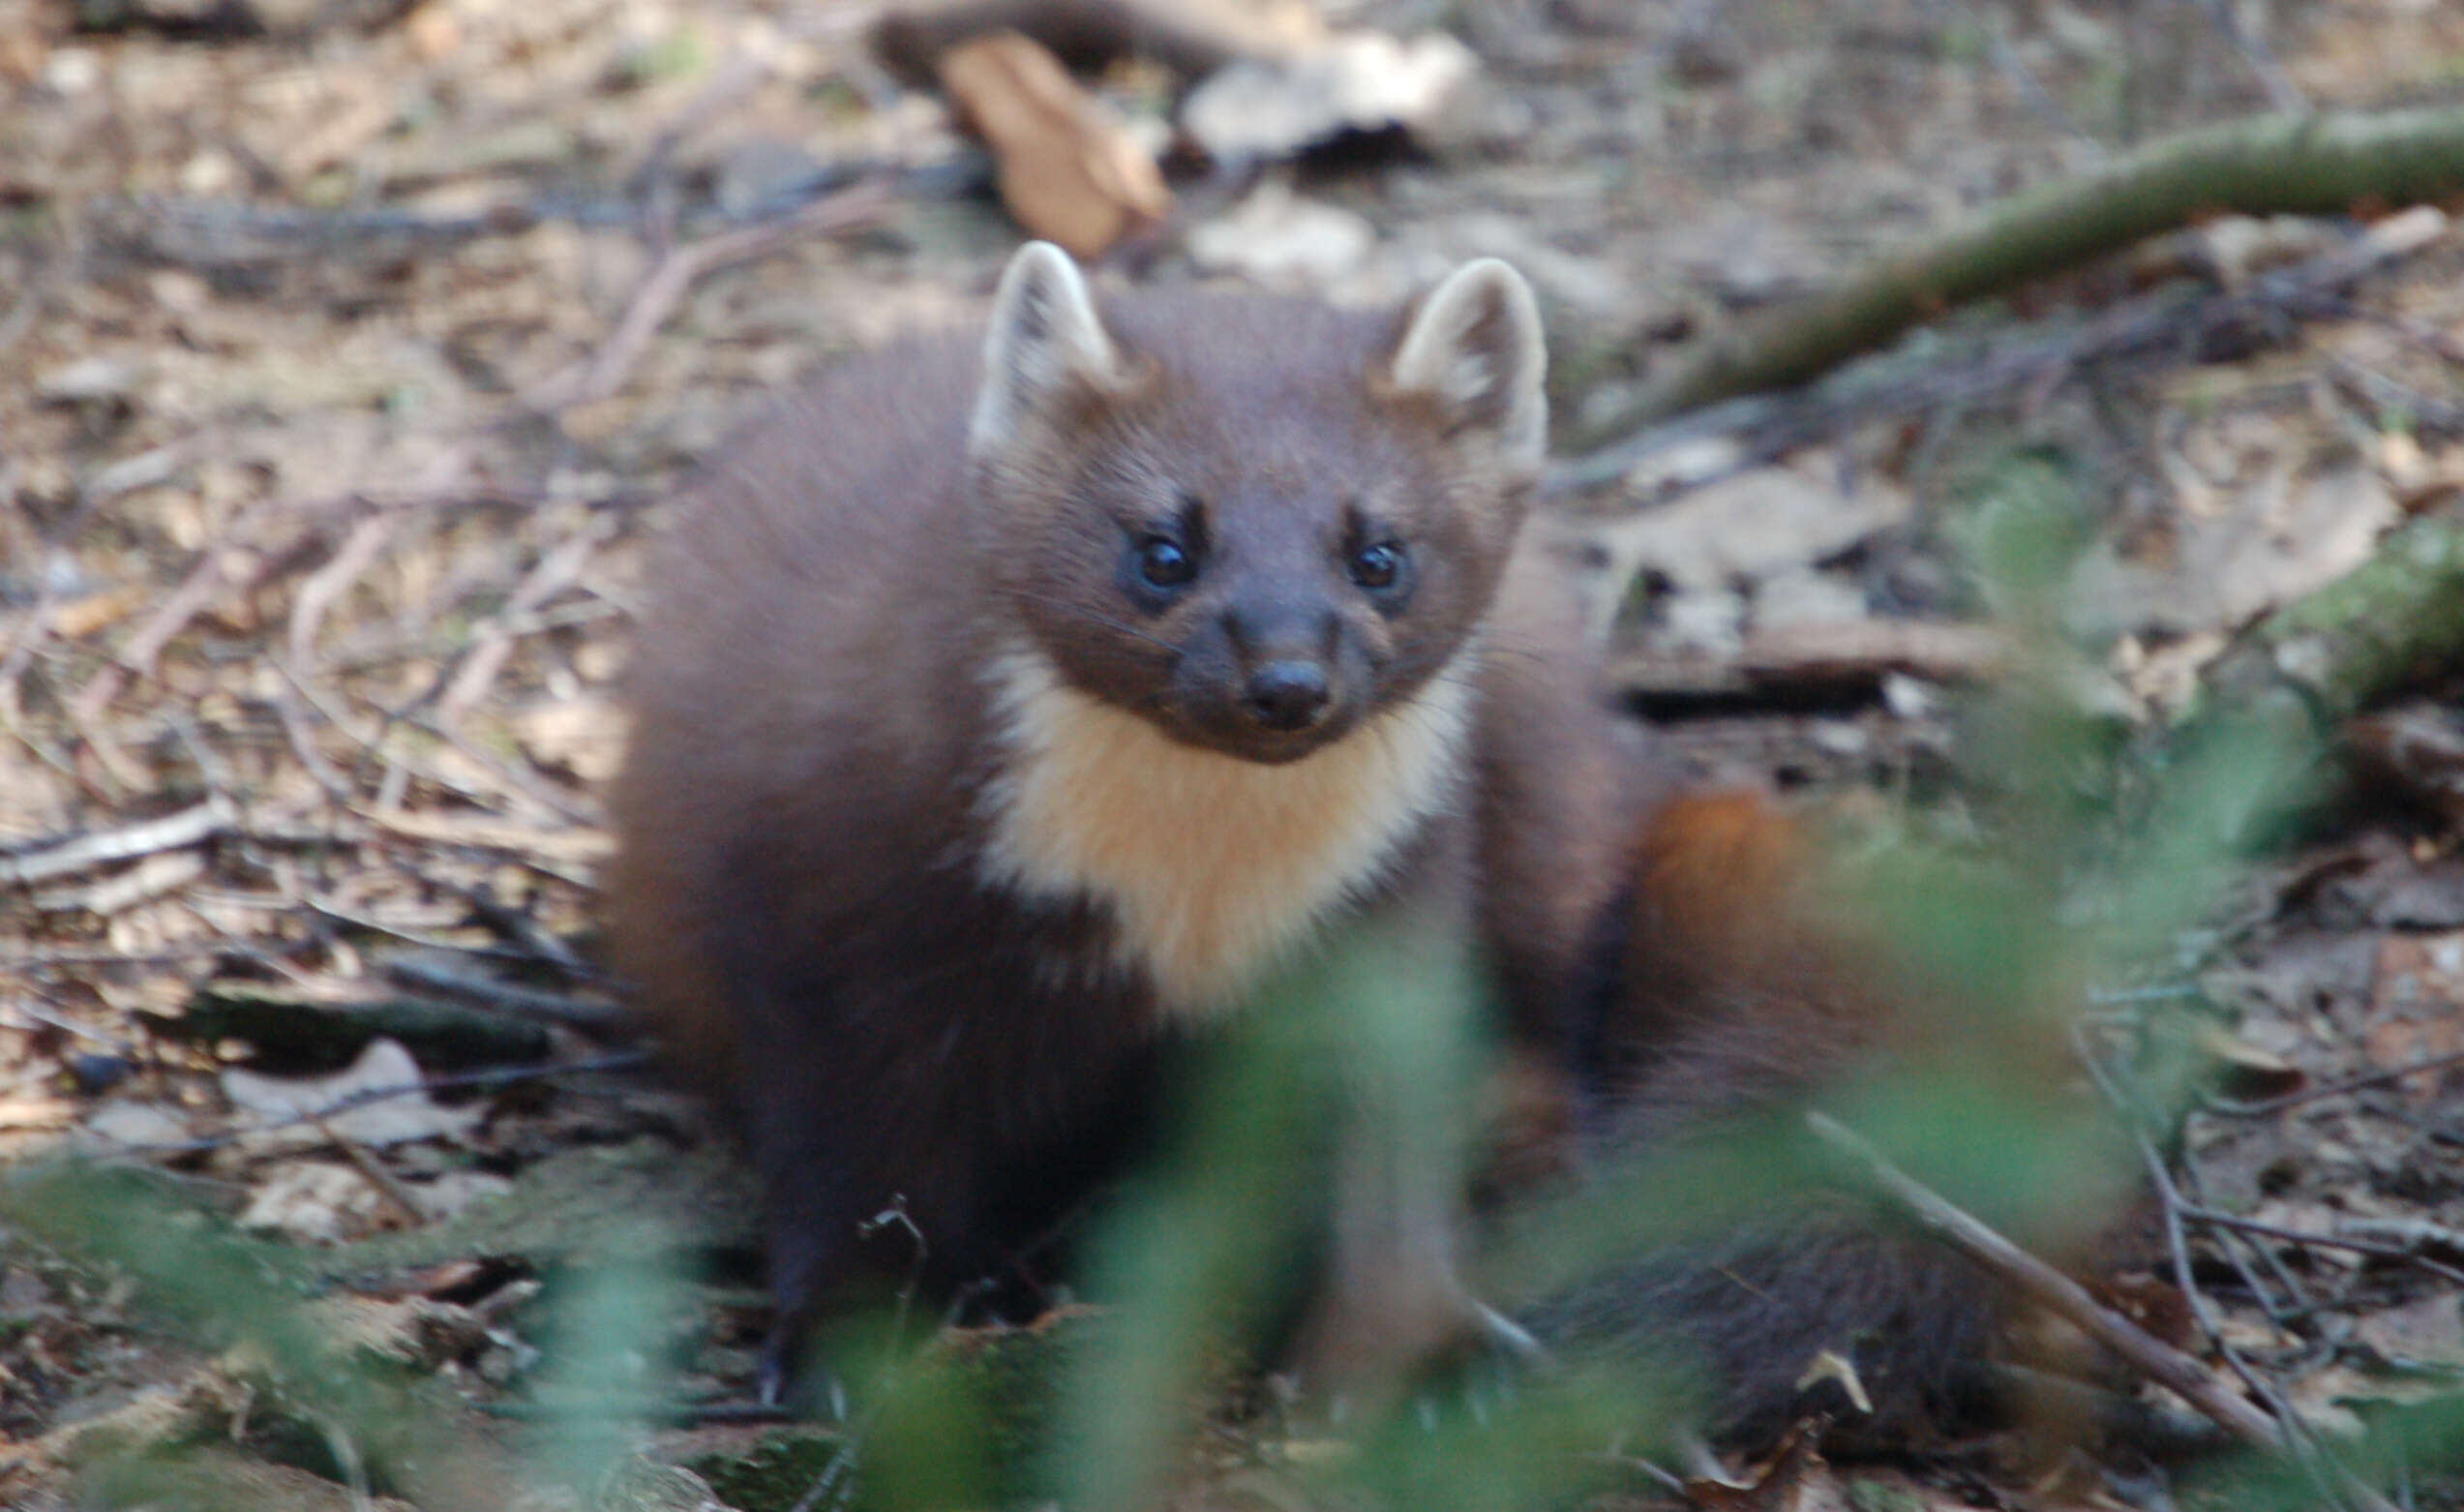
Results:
x,y
1045,342
1475,348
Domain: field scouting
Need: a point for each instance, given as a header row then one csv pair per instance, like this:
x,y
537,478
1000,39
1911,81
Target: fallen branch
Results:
x,y
288,1026
2393,622
494,1076
131,842
2273,165
2151,1357
1818,660
437,975
2004,360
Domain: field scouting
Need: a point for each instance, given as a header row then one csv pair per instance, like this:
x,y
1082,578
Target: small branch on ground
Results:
x,y
2159,1361
130,842
1768,425
848,210
599,1020
2274,164
2395,620
1817,659
496,1077
287,1025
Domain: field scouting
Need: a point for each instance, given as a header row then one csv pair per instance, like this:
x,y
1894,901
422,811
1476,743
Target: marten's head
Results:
x,y
1254,522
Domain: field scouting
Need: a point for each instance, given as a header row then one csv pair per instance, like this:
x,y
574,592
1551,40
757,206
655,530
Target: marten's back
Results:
x,y
791,674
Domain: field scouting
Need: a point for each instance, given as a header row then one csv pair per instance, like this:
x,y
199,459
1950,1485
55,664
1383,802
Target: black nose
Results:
x,y
1287,695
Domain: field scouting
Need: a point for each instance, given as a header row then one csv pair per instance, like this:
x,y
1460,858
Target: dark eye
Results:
x,y
1163,564
1377,566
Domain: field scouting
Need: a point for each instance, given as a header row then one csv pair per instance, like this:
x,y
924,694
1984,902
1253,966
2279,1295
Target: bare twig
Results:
x,y
2282,93
2372,1246
2008,362
2362,1082
388,1185
172,831
850,209
2291,164
493,641
2326,1474
150,878
321,589
596,1019
529,939
2159,1361
494,1076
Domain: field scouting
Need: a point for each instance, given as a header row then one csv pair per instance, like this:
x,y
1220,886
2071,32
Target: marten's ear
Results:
x,y
1475,347
1045,340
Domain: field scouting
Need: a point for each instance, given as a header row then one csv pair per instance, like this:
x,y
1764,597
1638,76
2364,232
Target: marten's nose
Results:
x,y
1286,695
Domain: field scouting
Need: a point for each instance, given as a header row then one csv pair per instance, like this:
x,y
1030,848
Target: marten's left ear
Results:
x,y
1044,342
1475,347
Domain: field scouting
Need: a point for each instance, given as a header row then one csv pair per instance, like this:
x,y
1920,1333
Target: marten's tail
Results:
x,y
1730,998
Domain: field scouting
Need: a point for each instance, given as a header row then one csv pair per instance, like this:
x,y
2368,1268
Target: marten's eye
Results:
x,y
1163,564
1377,568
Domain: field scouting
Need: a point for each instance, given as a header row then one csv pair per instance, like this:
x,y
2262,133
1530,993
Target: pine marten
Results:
x,y
1008,707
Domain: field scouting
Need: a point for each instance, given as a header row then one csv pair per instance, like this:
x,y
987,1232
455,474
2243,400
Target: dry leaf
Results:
x,y
1354,81
2429,1332
2416,1009
1070,170
314,1202
2244,1070
384,1066
1276,236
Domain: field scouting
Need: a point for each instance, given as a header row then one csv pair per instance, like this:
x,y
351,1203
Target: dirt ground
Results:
x,y
349,350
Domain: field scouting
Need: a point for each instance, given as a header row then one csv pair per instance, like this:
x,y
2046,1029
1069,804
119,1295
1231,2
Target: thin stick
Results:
x,y
2159,1361
2328,1089
2377,1248
172,831
848,210
494,1076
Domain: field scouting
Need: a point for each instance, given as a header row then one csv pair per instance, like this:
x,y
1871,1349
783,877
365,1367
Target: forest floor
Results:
x,y
350,351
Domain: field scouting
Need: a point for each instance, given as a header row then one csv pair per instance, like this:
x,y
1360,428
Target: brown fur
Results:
x,y
935,824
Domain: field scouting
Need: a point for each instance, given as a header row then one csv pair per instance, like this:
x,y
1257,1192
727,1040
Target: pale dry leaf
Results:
x,y
384,1066
584,736
313,1202
126,1124
1754,525
456,1189
1275,236
1353,81
2427,1332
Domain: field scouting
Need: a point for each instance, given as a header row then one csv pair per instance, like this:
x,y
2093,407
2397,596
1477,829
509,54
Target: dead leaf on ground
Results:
x,y
384,1066
2416,1011
1275,236
2425,1333
1749,528
2246,1072
2250,550
2419,749
1355,81
314,1202
1071,169
584,736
